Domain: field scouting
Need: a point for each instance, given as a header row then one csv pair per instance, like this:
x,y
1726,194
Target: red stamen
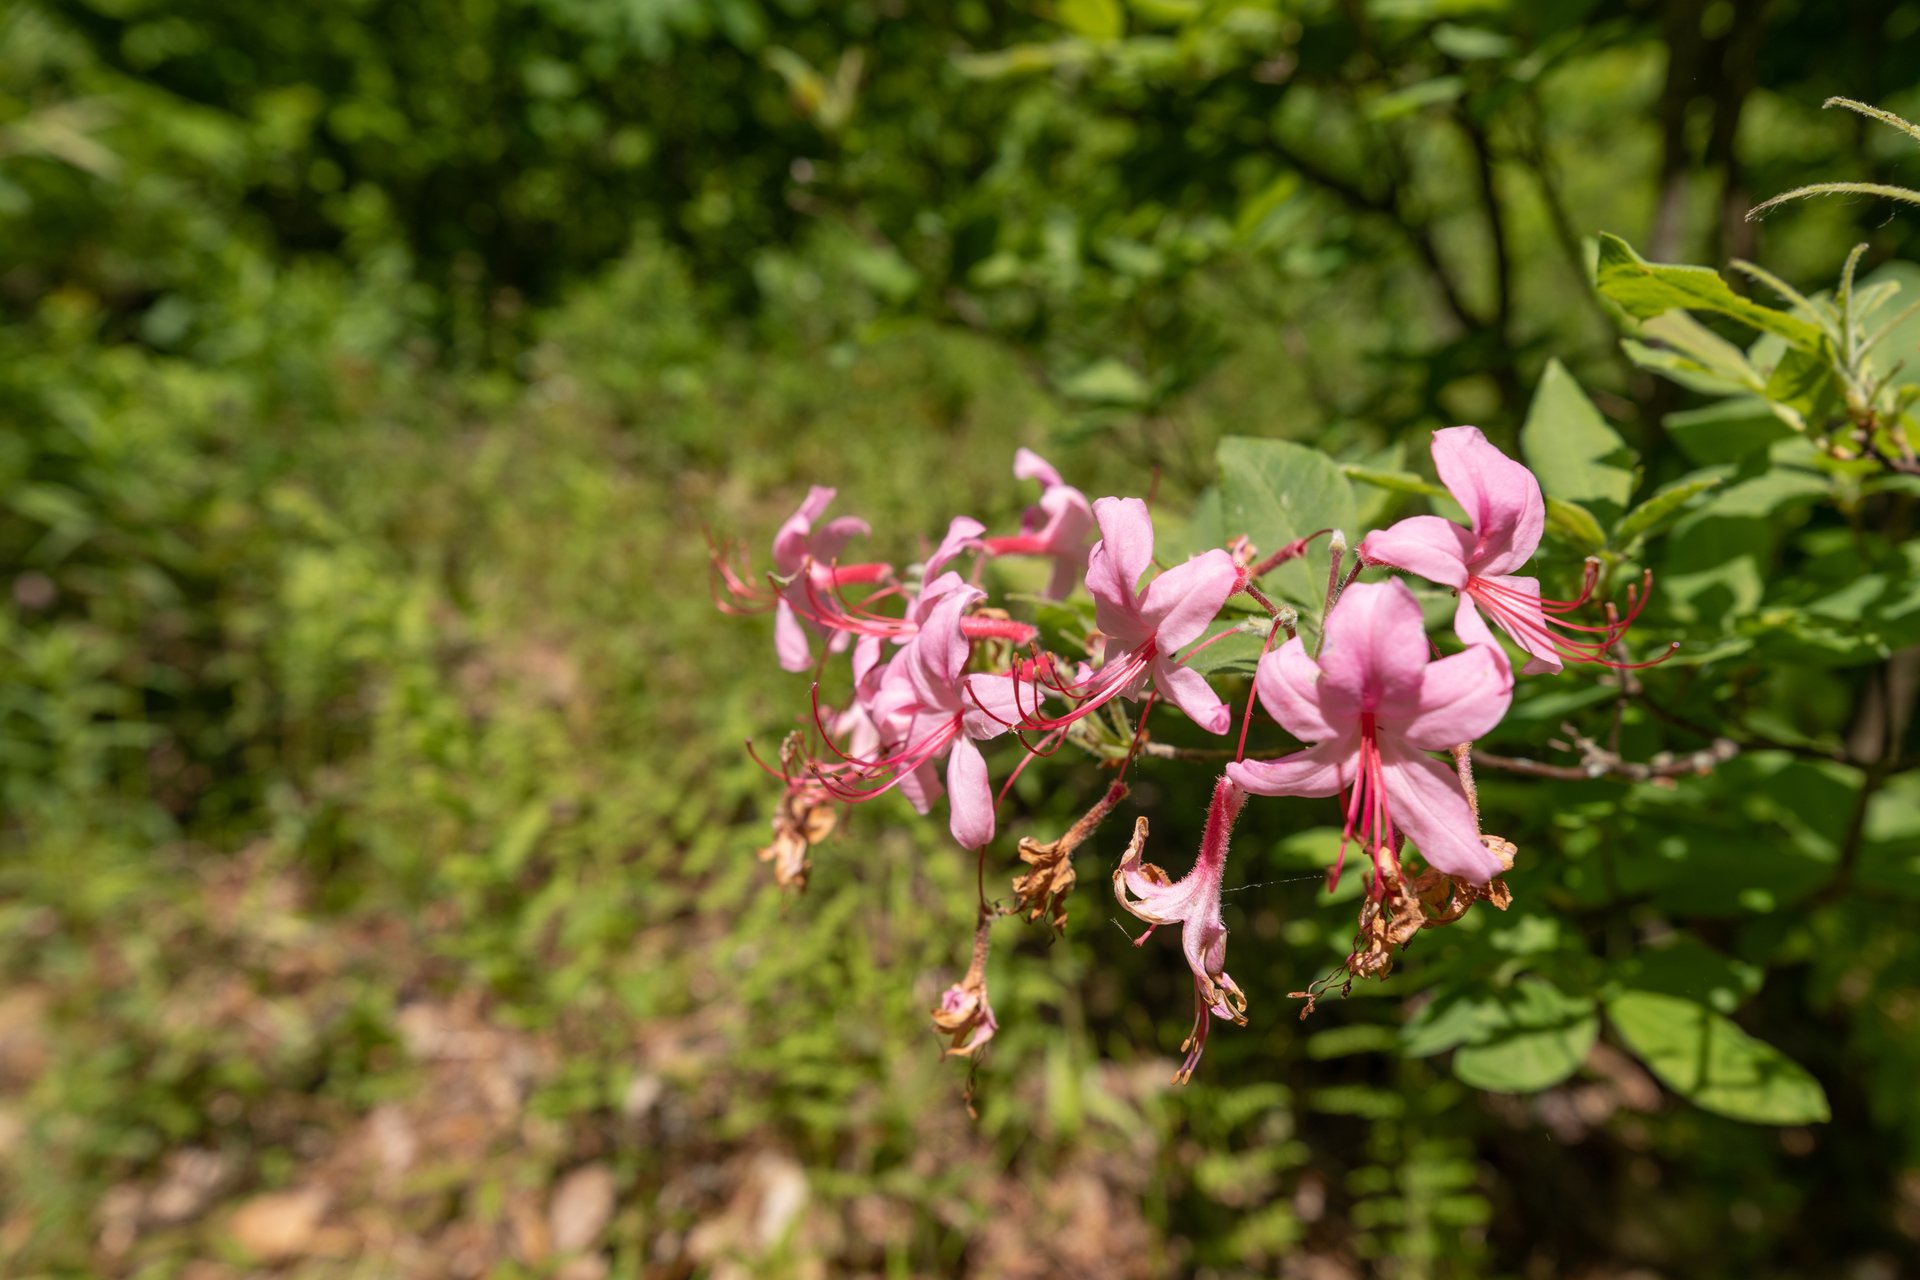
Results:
x,y
1534,622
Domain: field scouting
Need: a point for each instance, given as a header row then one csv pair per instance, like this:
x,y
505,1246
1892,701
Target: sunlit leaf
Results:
x,y
1705,1058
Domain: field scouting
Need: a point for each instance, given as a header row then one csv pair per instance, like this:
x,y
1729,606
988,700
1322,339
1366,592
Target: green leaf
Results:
x,y
1705,1058
1395,481
1516,1039
1691,970
1275,491
1234,655
1574,525
1646,289
1415,97
1660,508
1805,385
1726,432
1094,19
1714,356
1471,44
1106,381
1576,455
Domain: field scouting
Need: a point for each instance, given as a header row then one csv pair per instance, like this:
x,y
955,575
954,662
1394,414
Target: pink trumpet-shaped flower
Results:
x,y
804,557
1059,526
1145,628
1502,499
923,705
1192,902
1373,705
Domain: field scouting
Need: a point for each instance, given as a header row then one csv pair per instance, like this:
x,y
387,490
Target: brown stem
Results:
x,y
1598,762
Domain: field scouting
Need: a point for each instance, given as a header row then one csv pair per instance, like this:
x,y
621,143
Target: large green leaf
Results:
x,y
1275,491
1705,1058
1648,289
1576,455
1727,431
1540,1037
1514,1039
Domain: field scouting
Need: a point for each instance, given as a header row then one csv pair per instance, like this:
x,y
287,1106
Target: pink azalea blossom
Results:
x,y
924,705
1373,705
1502,499
1059,526
1193,903
1144,629
804,558
828,609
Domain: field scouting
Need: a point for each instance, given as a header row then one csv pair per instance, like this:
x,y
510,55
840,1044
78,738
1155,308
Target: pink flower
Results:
x,y
829,610
1192,902
1145,628
1373,705
804,557
923,705
1503,501
1058,526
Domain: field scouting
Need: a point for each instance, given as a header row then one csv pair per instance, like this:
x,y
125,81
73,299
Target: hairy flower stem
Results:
x,y
1222,811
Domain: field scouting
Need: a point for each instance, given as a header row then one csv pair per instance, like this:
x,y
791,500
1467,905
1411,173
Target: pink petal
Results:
x,y
994,704
1376,646
1288,682
938,652
930,594
866,656
1068,571
1471,627
790,543
790,639
1501,496
1317,771
1435,549
969,795
1431,809
1123,553
1028,465
1188,690
921,787
1461,698
1182,601
831,538
962,530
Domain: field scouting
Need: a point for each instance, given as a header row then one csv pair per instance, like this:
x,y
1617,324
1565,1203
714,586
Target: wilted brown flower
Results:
x,y
1044,890
806,816
964,1012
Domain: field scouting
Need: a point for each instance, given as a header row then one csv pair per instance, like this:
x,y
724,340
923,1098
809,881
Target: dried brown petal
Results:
x,y
1044,890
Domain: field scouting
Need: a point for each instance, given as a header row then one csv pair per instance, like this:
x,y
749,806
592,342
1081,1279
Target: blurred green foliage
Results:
x,y
369,371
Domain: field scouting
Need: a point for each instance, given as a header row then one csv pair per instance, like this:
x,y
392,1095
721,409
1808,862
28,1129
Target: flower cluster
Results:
x,y
1385,723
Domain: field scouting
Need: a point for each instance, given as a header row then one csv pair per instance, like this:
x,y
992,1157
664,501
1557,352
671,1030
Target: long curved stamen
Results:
x,y
1533,620
827,737
828,615
901,764
1107,684
765,768
732,594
